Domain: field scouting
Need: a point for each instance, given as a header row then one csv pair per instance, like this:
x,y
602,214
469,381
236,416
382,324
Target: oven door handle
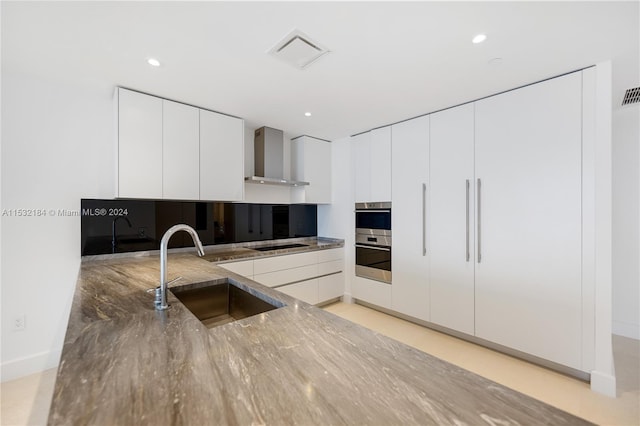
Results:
x,y
373,248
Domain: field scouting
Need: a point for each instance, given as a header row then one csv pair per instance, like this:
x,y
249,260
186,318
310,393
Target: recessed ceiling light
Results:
x,y
307,114
153,62
479,38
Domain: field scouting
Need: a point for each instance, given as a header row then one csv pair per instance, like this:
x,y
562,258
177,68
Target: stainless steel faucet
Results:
x,y
161,292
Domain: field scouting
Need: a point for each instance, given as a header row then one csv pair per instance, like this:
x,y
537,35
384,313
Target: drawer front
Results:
x,y
374,292
330,287
330,267
330,255
288,261
276,278
244,268
307,291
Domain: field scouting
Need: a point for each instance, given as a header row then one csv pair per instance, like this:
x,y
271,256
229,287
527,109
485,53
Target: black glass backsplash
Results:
x,y
118,226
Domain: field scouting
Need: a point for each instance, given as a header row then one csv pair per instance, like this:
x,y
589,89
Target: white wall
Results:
x,y
336,220
57,147
626,221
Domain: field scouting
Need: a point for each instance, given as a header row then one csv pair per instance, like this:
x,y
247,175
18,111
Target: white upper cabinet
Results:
x,y
180,151
169,150
451,218
528,202
312,163
139,145
381,164
410,159
371,156
361,161
221,157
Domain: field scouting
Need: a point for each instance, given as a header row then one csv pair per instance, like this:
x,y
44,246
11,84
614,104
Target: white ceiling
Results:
x,y
389,60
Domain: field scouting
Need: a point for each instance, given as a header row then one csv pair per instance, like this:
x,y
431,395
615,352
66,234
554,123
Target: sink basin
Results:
x,y
216,304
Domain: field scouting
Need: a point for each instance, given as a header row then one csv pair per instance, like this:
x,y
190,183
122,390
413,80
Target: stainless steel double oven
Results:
x,y
373,241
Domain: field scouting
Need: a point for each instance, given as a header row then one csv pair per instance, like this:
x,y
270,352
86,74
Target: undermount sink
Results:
x,y
216,304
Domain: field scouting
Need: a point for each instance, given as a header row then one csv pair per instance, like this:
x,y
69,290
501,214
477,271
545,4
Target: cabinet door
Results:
x,y
528,242
221,157
381,164
451,219
371,291
307,291
317,170
139,145
361,158
286,276
244,268
330,287
410,156
180,151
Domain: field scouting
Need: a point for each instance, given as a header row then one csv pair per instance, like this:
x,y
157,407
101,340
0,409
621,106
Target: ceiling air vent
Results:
x,y
298,49
631,96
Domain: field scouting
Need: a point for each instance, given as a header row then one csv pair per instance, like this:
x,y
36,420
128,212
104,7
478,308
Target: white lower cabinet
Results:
x,y
314,277
284,276
307,291
244,268
330,286
372,291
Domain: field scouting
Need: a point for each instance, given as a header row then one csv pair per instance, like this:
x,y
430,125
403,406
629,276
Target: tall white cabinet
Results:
x,y
451,218
410,165
528,210
491,221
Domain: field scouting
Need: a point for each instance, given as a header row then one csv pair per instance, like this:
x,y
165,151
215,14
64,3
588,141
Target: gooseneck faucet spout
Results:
x,y
114,235
161,298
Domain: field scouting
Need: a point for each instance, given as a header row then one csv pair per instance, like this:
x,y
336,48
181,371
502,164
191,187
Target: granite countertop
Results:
x,y
125,363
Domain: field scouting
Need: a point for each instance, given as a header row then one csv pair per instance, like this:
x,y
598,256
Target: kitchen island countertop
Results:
x,y
125,363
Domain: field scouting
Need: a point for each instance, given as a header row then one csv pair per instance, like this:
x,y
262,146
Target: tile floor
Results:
x,y
26,401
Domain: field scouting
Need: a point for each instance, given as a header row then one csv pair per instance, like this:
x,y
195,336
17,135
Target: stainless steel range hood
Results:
x,y
269,159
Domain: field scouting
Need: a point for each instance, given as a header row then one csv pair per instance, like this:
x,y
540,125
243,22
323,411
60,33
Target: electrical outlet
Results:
x,y
20,322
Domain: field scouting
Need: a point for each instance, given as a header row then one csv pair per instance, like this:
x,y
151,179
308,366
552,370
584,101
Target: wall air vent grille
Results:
x,y
631,96
298,49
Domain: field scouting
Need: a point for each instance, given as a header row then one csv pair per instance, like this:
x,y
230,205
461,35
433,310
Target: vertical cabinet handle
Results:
x,y
479,197
424,219
467,235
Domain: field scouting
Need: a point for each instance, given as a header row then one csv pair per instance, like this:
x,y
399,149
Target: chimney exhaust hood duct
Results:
x,y
269,159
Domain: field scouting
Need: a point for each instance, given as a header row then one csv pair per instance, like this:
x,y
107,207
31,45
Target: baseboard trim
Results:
x,y
31,364
603,383
626,329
